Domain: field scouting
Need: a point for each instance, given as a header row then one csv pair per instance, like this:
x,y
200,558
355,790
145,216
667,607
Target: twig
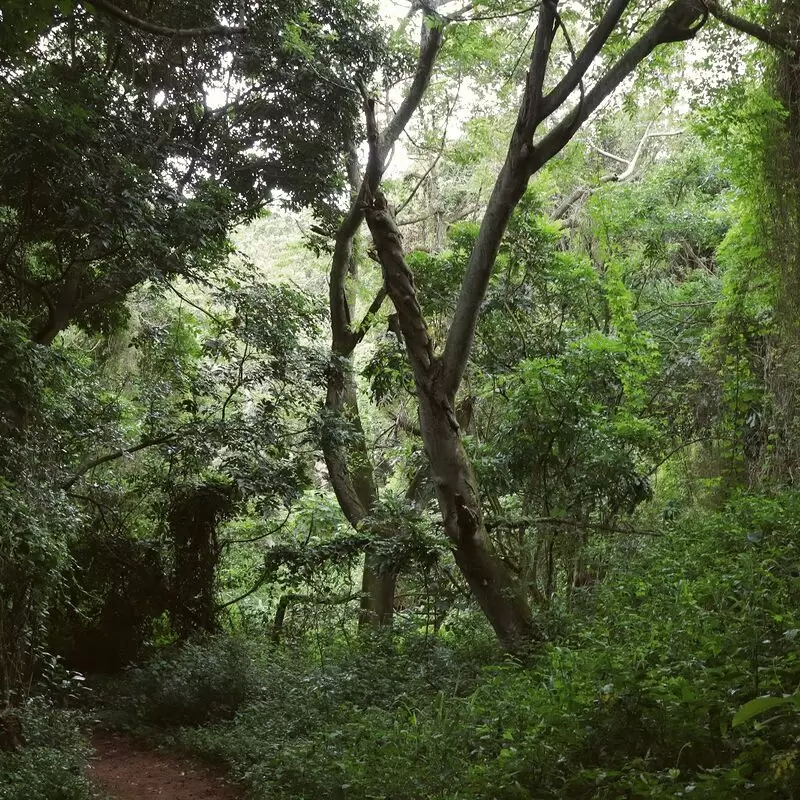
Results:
x,y
229,542
123,451
188,302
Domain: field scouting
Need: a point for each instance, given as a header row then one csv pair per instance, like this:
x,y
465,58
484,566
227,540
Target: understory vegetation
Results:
x,y
402,406
632,695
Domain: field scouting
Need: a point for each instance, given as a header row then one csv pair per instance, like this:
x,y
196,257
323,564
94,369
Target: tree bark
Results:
x,y
351,475
501,600
349,465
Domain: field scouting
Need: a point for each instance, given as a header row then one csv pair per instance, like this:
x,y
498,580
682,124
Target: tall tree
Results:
x,y
349,467
134,145
547,120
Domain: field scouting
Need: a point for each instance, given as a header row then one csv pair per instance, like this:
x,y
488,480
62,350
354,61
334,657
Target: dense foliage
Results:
x,y
632,697
493,499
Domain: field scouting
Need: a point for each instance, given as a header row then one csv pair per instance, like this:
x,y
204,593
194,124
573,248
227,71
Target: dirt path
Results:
x,y
125,771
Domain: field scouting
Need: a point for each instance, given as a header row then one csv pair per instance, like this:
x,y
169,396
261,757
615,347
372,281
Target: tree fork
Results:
x,y
438,378
501,600
352,479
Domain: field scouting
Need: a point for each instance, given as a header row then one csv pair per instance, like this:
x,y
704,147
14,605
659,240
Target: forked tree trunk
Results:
x,y
349,465
499,596
501,599
438,377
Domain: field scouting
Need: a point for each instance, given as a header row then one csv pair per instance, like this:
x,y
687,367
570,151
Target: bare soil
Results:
x,y
124,770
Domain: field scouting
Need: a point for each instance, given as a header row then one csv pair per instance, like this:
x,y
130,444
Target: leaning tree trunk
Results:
x,y
500,598
349,466
344,445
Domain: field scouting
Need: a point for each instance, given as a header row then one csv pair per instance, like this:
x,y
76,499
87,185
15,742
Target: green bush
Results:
x,y
203,680
634,699
51,764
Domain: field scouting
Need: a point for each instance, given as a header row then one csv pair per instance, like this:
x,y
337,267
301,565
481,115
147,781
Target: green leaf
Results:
x,y
759,706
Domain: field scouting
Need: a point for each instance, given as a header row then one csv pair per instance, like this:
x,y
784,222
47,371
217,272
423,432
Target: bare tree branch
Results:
x,y
613,177
605,153
459,215
440,150
569,201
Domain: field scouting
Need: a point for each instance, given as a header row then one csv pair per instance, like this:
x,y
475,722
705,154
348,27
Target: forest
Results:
x,y
401,400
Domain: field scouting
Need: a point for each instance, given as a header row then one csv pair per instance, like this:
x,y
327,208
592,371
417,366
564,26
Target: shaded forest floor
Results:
x,y
636,692
123,770
632,693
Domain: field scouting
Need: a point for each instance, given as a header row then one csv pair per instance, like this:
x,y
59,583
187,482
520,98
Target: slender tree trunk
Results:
x,y
351,473
349,465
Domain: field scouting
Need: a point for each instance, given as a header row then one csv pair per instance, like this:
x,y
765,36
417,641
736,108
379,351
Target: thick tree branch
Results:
x,y
341,262
507,191
163,30
679,22
773,38
530,110
400,286
564,88
344,339
432,38
343,342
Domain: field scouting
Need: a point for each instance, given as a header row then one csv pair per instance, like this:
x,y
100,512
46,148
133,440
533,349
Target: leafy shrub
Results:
x,y
204,680
634,699
50,766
